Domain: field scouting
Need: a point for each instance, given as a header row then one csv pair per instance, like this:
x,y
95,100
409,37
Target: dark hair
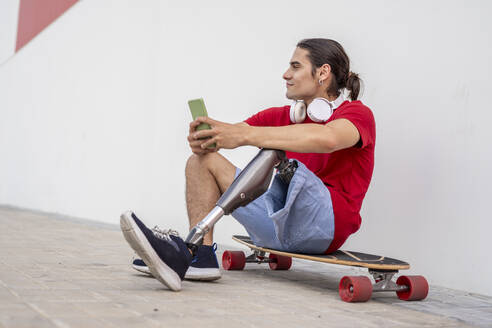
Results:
x,y
326,51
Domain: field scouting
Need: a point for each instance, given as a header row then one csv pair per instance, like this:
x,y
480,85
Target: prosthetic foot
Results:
x,y
250,184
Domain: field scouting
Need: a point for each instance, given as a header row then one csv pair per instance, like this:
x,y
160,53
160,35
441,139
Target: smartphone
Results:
x,y
197,108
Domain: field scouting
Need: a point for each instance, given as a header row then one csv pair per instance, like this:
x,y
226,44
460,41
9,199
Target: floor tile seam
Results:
x,y
410,311
455,307
58,321
452,317
460,293
11,291
94,315
402,323
463,323
39,311
435,303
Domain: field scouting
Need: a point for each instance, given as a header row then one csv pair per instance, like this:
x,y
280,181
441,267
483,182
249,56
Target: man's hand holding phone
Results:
x,y
196,144
198,109
207,135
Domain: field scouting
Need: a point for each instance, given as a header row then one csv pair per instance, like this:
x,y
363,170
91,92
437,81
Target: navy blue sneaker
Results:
x,y
204,265
167,258
139,265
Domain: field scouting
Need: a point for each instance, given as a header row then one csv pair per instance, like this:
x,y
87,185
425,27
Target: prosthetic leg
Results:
x,y
250,184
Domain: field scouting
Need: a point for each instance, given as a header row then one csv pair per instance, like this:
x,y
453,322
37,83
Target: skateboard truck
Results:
x,y
258,257
384,282
250,184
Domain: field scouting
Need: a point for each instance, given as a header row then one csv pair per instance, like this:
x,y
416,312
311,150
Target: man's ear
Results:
x,y
324,71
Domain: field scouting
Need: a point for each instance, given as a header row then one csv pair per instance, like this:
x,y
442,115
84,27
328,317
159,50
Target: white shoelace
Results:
x,y
164,233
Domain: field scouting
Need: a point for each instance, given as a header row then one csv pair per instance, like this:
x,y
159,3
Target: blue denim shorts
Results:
x,y
296,218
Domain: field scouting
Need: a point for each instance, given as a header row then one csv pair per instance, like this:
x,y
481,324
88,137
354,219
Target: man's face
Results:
x,y
301,85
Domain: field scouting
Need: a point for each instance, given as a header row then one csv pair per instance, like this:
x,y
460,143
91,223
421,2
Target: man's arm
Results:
x,y
300,138
306,138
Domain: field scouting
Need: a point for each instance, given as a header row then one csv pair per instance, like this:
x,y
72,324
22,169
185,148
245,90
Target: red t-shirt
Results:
x,y
346,172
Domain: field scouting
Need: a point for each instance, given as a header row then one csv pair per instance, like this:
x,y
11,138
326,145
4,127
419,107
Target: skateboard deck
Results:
x,y
341,257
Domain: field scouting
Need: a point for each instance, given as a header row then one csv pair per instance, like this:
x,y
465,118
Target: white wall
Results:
x,y
9,15
94,114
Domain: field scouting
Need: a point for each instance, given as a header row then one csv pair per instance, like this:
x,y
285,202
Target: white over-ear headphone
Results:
x,y
319,110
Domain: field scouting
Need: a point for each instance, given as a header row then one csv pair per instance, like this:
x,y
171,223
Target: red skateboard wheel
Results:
x,y
355,289
279,262
233,260
418,288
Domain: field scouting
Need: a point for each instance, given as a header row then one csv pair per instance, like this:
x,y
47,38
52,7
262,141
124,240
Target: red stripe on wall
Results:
x,y
35,15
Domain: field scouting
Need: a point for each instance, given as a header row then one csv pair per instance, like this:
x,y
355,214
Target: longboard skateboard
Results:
x,y
351,288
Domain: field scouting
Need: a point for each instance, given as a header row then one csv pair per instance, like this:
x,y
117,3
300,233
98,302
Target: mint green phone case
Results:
x,y
197,108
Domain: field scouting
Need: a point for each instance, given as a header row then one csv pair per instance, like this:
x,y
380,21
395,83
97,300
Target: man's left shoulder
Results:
x,y
355,107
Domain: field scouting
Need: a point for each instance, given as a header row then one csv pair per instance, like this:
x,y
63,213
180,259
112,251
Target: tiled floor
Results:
x,y
61,272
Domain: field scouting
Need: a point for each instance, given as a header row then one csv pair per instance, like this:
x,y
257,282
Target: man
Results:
x,y
333,147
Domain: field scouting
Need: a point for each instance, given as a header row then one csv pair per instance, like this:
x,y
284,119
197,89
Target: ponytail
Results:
x,y
353,85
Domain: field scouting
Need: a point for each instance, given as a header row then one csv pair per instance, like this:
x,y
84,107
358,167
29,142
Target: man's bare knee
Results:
x,y
193,163
222,170
198,162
